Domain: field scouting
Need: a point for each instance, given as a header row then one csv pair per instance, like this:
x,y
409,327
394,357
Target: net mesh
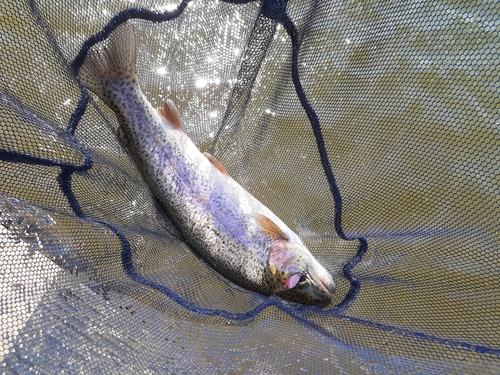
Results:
x,y
370,128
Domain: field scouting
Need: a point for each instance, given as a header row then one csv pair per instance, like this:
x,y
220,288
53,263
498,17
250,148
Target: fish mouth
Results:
x,y
326,288
328,284
323,300
324,296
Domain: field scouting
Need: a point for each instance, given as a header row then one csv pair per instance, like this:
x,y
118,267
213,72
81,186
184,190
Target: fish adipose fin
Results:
x,y
270,228
217,164
116,55
170,113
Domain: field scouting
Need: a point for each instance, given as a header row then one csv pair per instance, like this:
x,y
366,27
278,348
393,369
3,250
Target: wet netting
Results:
x,y
370,128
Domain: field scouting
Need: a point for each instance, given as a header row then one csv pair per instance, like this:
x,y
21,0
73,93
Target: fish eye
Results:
x,y
303,278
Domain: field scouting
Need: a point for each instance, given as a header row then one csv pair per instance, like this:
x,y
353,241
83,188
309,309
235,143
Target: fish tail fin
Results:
x,y
117,54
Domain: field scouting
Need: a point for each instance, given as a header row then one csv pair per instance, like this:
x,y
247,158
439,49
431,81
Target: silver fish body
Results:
x,y
236,234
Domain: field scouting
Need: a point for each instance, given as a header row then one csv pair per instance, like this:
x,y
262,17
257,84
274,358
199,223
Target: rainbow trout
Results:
x,y
224,224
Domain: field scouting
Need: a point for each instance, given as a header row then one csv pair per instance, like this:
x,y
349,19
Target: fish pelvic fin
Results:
x,y
117,55
170,113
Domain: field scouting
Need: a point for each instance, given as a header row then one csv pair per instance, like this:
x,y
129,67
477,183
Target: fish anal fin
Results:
x,y
217,164
170,113
270,228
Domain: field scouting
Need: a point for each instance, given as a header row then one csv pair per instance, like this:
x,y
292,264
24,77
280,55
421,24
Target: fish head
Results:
x,y
295,275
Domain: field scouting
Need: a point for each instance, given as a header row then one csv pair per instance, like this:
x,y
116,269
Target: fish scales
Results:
x,y
191,188
236,234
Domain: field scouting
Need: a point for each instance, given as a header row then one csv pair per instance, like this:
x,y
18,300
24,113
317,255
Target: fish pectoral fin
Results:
x,y
170,113
270,228
217,164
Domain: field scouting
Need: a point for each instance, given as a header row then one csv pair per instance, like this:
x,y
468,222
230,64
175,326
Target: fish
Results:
x,y
237,235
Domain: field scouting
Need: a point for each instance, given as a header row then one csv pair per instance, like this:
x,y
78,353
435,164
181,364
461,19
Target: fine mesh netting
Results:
x,y
370,128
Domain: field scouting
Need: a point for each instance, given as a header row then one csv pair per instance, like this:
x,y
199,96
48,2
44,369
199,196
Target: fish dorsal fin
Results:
x,y
217,164
270,228
170,113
